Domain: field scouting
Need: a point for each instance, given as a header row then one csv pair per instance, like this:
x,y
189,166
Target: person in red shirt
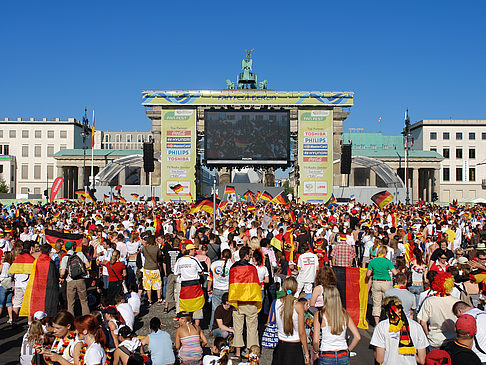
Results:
x,y
441,264
116,275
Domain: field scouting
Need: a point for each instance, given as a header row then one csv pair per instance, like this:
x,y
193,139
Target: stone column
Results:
x,y
80,184
415,185
122,177
436,183
372,178
224,175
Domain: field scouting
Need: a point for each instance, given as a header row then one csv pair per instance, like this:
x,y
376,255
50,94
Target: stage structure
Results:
x,y
247,125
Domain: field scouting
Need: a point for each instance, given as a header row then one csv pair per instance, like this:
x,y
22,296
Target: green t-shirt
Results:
x,y
381,267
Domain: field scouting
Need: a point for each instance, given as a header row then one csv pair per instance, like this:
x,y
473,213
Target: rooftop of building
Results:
x,y
16,120
449,122
378,145
78,152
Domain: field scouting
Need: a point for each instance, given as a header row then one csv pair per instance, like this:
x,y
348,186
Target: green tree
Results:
x,y
3,186
287,188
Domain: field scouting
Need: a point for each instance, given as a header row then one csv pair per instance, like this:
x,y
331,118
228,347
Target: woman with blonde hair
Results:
x,y
289,315
379,269
330,325
116,275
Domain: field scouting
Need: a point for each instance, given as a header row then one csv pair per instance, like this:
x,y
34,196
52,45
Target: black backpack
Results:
x,y
76,267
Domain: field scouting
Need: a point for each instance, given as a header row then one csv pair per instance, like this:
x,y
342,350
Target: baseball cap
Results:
x,y
467,324
69,245
39,315
190,246
438,357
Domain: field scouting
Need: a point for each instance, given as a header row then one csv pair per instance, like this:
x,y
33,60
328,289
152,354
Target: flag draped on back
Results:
x,y
157,226
191,297
382,199
353,288
23,264
244,285
42,292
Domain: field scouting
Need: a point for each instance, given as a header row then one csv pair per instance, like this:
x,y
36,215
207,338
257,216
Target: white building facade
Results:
x,y
462,143
106,140
31,144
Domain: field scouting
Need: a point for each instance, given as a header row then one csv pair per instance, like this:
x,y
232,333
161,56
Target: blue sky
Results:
x,y
60,56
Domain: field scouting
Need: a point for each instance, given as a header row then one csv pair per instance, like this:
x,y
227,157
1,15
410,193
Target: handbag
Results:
x,y
7,283
270,335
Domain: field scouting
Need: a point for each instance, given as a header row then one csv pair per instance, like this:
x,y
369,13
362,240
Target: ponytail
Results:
x,y
289,286
226,255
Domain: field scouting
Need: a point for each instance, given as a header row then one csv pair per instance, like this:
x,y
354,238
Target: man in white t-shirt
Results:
x,y
308,265
386,342
125,310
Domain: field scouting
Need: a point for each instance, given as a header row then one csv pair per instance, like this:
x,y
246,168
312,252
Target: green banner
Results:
x,y
242,97
178,153
315,154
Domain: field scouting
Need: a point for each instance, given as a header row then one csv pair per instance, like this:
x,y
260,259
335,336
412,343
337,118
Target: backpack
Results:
x,y
76,267
464,296
135,357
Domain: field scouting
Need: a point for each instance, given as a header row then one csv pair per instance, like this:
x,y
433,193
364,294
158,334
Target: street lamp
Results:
x,y
406,136
84,134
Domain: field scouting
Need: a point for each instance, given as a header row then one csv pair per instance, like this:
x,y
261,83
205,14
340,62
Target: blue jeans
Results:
x,y
333,360
215,302
164,286
416,290
5,297
218,332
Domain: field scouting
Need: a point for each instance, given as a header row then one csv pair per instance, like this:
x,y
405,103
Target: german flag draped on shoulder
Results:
x,y
244,285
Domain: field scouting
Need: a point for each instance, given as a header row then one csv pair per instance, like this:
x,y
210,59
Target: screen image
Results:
x,y
247,137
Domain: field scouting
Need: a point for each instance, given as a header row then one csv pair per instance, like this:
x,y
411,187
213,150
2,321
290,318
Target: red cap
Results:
x,y
438,357
467,324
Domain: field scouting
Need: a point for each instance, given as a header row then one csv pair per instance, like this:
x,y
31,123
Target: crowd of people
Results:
x,y
86,275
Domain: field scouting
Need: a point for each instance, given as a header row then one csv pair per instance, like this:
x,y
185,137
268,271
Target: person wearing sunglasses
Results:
x,y
441,264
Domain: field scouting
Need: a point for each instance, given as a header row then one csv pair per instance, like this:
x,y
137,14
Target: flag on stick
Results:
x,y
382,198
205,205
266,196
229,189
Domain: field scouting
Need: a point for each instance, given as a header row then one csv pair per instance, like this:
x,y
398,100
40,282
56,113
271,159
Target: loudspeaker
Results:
x,y
148,157
346,159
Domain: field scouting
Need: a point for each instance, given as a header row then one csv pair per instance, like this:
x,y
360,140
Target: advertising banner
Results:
x,y
315,154
56,186
255,97
178,153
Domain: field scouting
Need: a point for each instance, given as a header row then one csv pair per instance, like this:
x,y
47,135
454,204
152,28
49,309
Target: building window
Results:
x,y
12,134
446,174
50,134
472,153
24,173
458,173
433,135
459,136
373,147
117,138
37,172
50,150
472,135
446,135
107,138
37,150
458,152
62,147
139,138
385,146
5,149
1,133
129,138
37,191
25,150
50,172
63,134
25,134
446,152
483,135
433,149
24,190
38,134
1,169
472,174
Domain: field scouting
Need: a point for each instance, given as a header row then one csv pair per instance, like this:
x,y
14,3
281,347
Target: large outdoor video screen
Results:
x,y
245,137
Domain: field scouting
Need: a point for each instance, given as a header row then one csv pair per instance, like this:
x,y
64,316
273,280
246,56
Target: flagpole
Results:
x,y
214,204
92,152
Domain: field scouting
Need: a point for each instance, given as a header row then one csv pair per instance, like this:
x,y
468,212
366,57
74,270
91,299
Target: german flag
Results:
x,y
42,292
281,199
191,297
223,205
248,193
229,189
452,208
177,188
382,198
266,196
257,195
353,288
52,236
23,264
477,276
205,205
157,226
180,225
244,285
408,251
57,215
292,216
80,192
90,196
332,202
105,196
123,200
135,195
250,208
